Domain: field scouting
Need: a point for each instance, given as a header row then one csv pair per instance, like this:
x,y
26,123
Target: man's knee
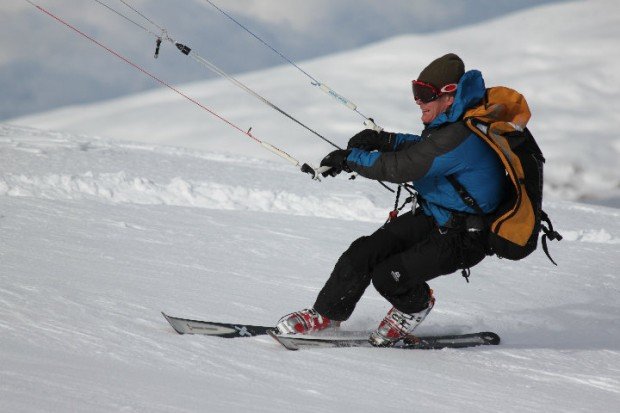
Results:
x,y
389,276
401,287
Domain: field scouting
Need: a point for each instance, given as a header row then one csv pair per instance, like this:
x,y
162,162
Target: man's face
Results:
x,y
435,108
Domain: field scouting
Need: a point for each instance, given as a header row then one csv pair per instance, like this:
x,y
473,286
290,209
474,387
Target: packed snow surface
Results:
x,y
97,237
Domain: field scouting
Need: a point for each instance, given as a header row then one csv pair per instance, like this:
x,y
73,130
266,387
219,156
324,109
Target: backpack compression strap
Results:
x,y
549,232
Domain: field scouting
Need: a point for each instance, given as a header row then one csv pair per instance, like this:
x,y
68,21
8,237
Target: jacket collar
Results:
x,y
471,90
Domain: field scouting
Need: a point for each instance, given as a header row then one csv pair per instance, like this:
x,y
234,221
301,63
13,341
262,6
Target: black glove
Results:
x,y
337,160
370,140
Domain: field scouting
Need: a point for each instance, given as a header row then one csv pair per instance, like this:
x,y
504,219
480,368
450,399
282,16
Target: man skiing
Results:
x,y
438,238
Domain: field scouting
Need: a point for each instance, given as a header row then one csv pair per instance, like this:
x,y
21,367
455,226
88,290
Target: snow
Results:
x,y
98,235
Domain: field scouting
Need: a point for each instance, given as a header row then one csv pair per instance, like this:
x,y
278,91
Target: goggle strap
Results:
x,y
449,88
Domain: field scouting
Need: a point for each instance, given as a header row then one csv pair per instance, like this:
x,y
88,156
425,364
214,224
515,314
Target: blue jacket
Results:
x,y
445,147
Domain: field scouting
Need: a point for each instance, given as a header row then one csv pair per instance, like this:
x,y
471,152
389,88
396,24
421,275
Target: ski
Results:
x,y
296,342
436,342
210,328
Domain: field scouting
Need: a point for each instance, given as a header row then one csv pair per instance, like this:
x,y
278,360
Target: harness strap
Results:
x,y
470,202
411,198
465,273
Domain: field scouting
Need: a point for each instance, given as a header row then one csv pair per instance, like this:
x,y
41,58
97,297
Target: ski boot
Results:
x,y
302,322
398,325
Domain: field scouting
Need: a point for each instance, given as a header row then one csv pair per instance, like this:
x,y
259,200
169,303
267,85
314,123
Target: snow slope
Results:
x,y
98,236
563,57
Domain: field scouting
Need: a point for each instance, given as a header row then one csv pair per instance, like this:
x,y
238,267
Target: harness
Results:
x,y
462,222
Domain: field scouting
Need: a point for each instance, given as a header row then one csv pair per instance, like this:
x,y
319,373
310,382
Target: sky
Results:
x,y
44,66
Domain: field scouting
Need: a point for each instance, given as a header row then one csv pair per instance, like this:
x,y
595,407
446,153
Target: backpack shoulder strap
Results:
x,y
465,195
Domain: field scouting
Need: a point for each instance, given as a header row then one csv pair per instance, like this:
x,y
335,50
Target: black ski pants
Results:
x,y
399,258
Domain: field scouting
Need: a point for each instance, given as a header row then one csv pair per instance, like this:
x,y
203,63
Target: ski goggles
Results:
x,y
425,92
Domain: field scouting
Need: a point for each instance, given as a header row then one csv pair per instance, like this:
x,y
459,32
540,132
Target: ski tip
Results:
x,y
171,322
490,338
166,316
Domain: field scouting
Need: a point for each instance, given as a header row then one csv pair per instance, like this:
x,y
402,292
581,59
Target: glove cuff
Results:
x,y
387,141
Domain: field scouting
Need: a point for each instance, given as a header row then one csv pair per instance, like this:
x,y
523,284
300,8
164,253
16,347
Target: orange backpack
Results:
x,y
501,121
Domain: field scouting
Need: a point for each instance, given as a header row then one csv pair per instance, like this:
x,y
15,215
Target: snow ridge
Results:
x,y
118,188
99,171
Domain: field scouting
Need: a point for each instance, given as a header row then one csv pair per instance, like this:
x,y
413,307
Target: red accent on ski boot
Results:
x,y
398,325
302,322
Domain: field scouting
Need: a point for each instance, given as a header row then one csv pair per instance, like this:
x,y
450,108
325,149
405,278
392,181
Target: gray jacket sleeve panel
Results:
x,y
413,160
